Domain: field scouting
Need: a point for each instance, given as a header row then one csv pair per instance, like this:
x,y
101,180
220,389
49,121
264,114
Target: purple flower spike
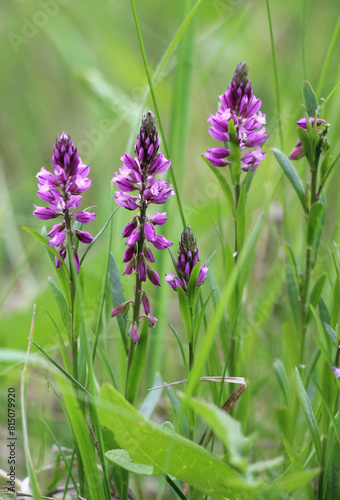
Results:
x,y
62,191
240,105
139,188
188,256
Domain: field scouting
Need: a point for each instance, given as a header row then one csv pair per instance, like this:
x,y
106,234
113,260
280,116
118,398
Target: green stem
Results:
x,y
304,296
237,196
138,285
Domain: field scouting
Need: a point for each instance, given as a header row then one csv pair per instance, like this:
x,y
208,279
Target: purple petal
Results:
x,y
122,308
129,228
161,243
149,231
85,217
129,253
202,275
134,332
173,281
133,238
83,236
142,269
153,277
58,239
44,213
159,218
146,303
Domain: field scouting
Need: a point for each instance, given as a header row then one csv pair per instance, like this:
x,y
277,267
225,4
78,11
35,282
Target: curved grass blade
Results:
x,y
308,413
98,235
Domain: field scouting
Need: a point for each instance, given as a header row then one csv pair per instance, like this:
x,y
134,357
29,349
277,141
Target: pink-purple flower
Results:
x,y
138,189
63,190
336,371
240,105
188,257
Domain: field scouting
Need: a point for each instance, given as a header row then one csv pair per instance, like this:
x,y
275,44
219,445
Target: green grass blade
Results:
x,y
23,393
61,369
277,86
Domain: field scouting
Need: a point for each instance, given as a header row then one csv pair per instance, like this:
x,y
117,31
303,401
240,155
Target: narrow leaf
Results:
x,y
241,218
62,306
292,175
316,294
117,296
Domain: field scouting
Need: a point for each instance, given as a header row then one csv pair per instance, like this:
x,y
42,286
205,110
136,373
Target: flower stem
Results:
x,y
138,286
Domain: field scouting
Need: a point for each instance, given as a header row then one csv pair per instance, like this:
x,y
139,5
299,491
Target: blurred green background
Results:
x,y
76,66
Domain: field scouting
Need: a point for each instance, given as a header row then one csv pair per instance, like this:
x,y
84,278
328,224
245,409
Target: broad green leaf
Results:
x,y
166,452
315,213
292,175
309,97
117,296
185,311
293,296
282,379
308,413
138,362
241,219
62,306
224,186
227,429
235,153
123,459
316,294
